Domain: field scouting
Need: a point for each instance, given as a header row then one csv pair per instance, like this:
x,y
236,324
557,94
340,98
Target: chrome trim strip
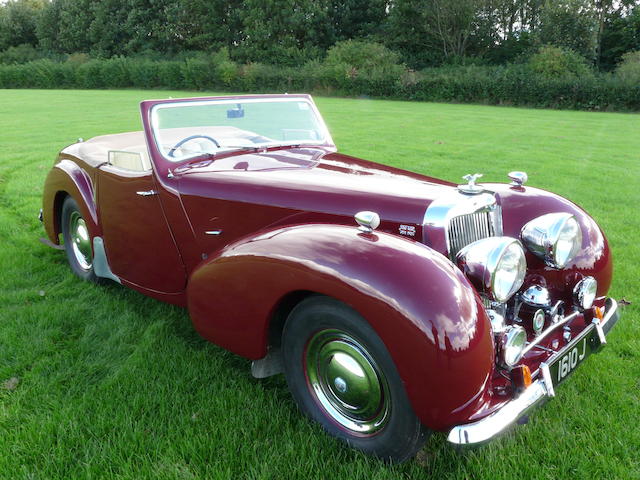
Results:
x,y
147,193
611,315
546,378
600,331
494,424
213,232
549,330
455,204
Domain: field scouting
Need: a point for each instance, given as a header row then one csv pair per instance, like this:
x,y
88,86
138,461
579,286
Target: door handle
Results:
x,y
147,193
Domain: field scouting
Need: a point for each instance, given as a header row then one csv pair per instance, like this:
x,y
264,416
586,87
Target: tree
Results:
x,y
406,32
453,28
284,31
18,23
210,24
569,24
153,26
357,18
621,33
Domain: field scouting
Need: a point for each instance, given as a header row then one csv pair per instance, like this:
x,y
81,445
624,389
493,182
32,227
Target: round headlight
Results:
x,y
512,344
495,265
584,293
555,237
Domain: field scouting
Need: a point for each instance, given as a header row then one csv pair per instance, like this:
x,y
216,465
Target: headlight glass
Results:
x,y
495,265
555,237
568,243
585,291
509,273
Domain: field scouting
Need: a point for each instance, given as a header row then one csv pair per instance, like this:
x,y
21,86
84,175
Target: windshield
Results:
x,y
189,129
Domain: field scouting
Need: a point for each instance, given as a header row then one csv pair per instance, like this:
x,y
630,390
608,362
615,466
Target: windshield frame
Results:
x,y
326,141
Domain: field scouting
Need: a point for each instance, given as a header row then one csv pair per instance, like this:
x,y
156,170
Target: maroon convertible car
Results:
x,y
396,304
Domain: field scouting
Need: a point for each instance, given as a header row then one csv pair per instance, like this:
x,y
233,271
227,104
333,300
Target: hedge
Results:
x,y
511,85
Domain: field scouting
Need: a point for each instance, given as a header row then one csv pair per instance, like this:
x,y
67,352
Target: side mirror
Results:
x,y
237,112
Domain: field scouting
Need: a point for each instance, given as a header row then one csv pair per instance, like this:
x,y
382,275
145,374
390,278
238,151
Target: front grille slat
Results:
x,y
465,229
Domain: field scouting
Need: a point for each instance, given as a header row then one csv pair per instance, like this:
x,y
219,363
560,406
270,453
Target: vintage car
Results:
x,y
395,303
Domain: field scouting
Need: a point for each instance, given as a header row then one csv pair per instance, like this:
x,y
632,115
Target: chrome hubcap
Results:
x,y
80,241
347,382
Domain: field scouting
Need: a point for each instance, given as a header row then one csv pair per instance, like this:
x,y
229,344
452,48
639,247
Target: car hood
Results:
x,y
314,180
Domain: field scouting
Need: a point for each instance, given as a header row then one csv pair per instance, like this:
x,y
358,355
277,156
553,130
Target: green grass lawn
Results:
x,y
115,385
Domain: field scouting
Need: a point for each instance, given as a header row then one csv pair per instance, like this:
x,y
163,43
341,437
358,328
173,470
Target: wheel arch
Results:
x,y
422,307
281,311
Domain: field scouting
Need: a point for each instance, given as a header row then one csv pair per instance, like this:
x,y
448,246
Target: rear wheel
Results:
x,y
341,375
77,241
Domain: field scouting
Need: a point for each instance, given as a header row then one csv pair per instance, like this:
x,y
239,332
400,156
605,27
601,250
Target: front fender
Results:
x,y
66,177
423,308
522,204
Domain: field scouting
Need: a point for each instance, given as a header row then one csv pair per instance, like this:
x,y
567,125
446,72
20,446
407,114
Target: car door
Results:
x,y
139,244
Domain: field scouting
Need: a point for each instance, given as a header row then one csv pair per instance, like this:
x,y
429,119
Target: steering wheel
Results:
x,y
185,140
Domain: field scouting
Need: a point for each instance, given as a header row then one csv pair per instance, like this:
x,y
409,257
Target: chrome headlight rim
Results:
x,y
484,260
543,236
585,292
512,344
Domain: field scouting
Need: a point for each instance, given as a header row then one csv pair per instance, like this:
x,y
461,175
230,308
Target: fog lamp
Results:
x,y
512,343
584,293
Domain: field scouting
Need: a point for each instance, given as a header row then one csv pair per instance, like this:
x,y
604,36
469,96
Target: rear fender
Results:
x,y
423,308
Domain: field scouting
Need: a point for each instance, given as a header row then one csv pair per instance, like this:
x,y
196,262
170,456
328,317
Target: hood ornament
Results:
x,y
518,179
471,186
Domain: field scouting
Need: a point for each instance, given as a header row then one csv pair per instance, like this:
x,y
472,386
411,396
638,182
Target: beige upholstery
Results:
x,y
128,161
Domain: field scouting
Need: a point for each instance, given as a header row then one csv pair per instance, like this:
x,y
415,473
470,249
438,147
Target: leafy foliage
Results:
x,y
18,23
629,68
569,25
351,47
291,32
499,85
557,62
359,57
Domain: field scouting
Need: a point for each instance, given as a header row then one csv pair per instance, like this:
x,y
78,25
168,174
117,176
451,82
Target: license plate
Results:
x,y
574,354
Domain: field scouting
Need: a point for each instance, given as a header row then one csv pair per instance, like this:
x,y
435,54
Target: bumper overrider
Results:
x,y
550,373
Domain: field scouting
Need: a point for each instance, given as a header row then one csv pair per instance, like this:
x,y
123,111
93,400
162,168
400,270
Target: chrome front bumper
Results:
x,y
499,421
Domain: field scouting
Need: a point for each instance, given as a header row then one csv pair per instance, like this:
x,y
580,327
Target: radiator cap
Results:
x,y
470,187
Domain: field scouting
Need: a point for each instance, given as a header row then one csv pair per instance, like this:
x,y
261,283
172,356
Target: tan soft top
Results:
x,y
96,150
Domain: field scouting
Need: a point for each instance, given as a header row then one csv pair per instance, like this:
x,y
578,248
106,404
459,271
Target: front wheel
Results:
x,y
77,241
341,375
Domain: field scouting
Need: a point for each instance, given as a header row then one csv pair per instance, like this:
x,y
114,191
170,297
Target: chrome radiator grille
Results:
x,y
465,229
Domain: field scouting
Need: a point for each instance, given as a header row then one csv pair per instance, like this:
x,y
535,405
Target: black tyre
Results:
x,y
342,376
77,242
